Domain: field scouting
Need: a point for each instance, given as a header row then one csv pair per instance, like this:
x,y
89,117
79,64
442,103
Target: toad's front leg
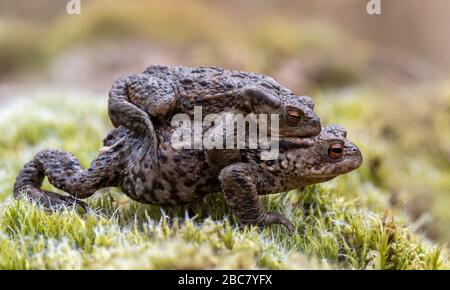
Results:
x,y
135,98
238,183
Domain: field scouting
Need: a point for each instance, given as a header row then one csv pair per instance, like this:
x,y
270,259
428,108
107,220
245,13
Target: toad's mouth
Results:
x,y
331,175
341,168
324,176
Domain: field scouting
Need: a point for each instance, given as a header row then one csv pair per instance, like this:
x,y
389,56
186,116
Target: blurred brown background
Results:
x,y
412,26
409,39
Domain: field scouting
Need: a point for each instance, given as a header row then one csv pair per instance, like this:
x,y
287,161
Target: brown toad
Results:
x,y
143,101
166,176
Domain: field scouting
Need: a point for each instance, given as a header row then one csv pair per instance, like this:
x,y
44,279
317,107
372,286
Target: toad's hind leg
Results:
x,y
64,172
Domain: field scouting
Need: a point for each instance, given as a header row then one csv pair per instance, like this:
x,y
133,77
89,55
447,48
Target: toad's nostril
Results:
x,y
309,117
353,149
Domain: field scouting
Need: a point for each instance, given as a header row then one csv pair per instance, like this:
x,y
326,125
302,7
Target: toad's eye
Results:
x,y
294,116
335,151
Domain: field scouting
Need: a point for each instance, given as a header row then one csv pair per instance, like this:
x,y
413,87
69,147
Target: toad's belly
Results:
x,y
168,193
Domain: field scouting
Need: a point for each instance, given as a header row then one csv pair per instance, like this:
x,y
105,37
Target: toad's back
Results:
x,y
212,80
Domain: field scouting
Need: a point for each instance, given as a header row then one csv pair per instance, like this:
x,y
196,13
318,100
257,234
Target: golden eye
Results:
x,y
294,116
335,150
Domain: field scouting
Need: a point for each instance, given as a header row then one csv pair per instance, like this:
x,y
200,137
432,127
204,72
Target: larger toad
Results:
x,y
168,177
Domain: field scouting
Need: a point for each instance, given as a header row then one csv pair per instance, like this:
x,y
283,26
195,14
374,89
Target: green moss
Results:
x,y
346,223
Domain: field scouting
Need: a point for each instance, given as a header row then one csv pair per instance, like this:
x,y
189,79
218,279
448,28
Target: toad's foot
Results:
x,y
51,200
277,218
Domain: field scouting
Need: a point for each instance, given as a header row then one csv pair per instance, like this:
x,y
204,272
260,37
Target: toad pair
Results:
x,y
140,159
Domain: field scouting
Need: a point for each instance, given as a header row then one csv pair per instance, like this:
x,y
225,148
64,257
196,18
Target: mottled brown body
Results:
x,y
137,100
174,177
166,176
